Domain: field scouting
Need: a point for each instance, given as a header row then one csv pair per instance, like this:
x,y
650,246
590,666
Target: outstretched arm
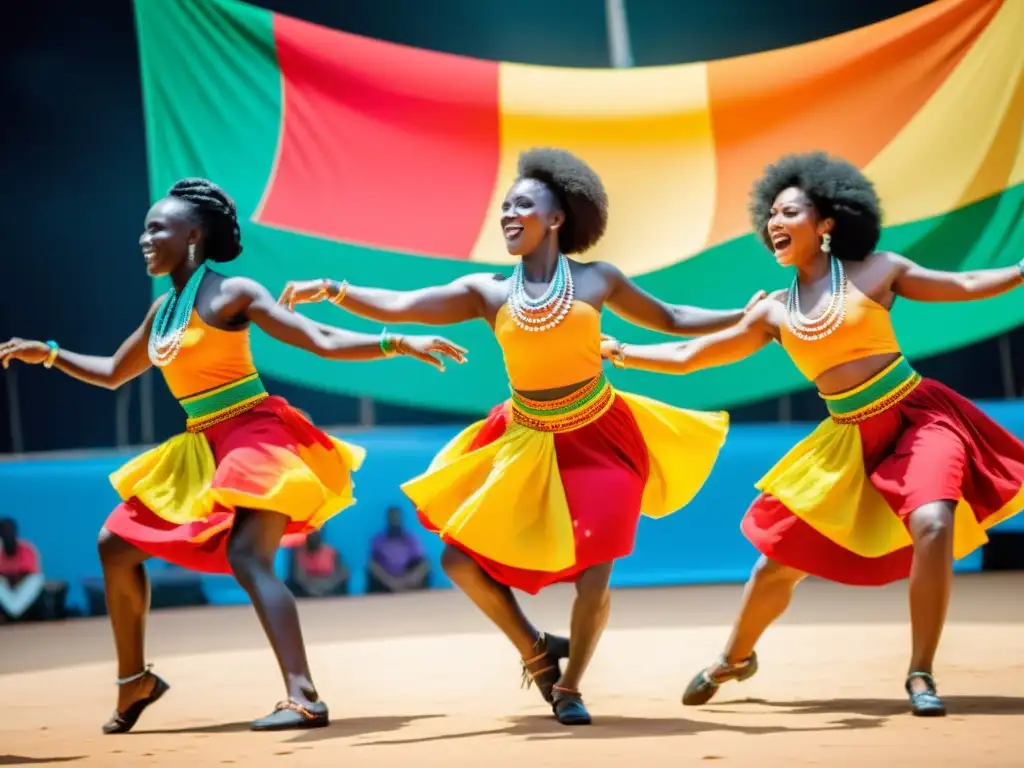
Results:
x,y
917,283
249,298
448,304
633,303
130,360
733,344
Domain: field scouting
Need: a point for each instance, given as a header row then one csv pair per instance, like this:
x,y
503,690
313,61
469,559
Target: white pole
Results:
x,y
619,50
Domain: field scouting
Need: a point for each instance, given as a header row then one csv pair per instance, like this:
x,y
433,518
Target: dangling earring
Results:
x,y
192,253
826,243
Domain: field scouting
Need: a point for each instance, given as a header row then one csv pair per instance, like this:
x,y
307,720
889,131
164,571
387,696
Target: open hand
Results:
x,y
304,292
611,348
32,352
431,349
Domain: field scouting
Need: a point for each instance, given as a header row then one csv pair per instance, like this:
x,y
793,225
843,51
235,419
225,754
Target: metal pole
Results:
x,y
620,52
122,406
146,408
367,412
1006,367
14,410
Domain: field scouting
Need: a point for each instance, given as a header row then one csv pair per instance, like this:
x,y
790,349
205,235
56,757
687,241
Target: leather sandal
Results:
x,y
123,722
703,686
543,669
925,703
290,715
568,706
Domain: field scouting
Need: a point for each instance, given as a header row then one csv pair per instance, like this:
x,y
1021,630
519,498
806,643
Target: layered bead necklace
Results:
x,y
172,318
549,310
807,329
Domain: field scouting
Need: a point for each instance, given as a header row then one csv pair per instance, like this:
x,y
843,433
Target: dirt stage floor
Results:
x,y
416,681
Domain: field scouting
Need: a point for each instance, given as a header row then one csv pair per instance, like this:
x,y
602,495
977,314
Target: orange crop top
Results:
x,y
566,354
866,330
208,358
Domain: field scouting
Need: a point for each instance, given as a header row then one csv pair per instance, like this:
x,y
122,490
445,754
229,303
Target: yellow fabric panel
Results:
x,y
965,144
647,132
504,501
170,478
683,446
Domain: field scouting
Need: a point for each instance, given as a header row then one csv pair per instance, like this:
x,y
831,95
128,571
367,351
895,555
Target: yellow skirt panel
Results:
x,y
504,500
682,446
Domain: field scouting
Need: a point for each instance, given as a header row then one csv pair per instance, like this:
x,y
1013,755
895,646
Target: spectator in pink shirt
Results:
x,y
397,560
21,574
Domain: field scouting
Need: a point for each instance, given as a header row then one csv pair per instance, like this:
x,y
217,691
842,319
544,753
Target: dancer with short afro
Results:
x,y
550,486
905,475
248,469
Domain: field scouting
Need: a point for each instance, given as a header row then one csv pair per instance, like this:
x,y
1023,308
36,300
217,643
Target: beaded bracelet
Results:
x,y
389,343
336,291
51,358
619,357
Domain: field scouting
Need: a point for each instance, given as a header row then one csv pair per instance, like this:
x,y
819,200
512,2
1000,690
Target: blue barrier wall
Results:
x,y
60,504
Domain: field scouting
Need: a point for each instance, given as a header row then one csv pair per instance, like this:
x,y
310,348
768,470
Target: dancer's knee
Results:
x,y
456,563
115,551
771,572
246,562
932,522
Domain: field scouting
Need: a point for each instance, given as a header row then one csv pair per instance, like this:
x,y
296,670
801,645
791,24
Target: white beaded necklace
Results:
x,y
806,329
544,313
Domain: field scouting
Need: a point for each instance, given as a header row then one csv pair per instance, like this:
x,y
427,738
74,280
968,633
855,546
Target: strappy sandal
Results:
x,y
703,687
925,703
568,706
290,715
543,670
122,722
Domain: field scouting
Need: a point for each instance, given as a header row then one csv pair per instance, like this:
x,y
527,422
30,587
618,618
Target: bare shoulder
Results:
x,y
232,288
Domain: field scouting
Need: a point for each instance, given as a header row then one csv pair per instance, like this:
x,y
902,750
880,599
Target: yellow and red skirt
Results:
x,y
538,492
836,506
242,449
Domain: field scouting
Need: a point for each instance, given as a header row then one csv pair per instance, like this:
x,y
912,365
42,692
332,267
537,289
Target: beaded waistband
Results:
x,y
874,396
582,407
213,406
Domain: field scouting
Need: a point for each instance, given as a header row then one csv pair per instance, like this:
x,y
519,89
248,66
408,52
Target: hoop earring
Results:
x,y
826,243
192,253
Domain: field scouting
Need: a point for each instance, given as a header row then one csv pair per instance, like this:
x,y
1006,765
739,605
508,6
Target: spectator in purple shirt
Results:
x,y
397,560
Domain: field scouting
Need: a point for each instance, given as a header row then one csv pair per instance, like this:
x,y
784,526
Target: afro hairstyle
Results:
x,y
837,189
579,192
217,216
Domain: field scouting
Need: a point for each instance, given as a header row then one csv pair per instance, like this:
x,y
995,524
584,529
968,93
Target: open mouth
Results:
x,y
781,241
512,231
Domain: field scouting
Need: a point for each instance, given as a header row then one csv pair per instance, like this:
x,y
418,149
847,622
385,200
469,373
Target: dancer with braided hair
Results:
x,y
247,470
906,474
550,486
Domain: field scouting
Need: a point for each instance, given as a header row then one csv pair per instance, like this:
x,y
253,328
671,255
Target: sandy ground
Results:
x,y
423,681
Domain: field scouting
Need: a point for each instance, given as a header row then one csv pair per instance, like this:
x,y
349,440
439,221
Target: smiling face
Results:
x,y
795,228
529,213
169,229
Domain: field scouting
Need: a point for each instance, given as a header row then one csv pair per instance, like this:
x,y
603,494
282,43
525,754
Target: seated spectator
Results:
x,y
317,569
22,583
397,560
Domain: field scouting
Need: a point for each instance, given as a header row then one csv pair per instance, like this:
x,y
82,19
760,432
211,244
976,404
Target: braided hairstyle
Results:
x,y
216,214
837,189
579,192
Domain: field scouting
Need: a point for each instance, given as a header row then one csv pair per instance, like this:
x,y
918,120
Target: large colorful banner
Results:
x,y
385,165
